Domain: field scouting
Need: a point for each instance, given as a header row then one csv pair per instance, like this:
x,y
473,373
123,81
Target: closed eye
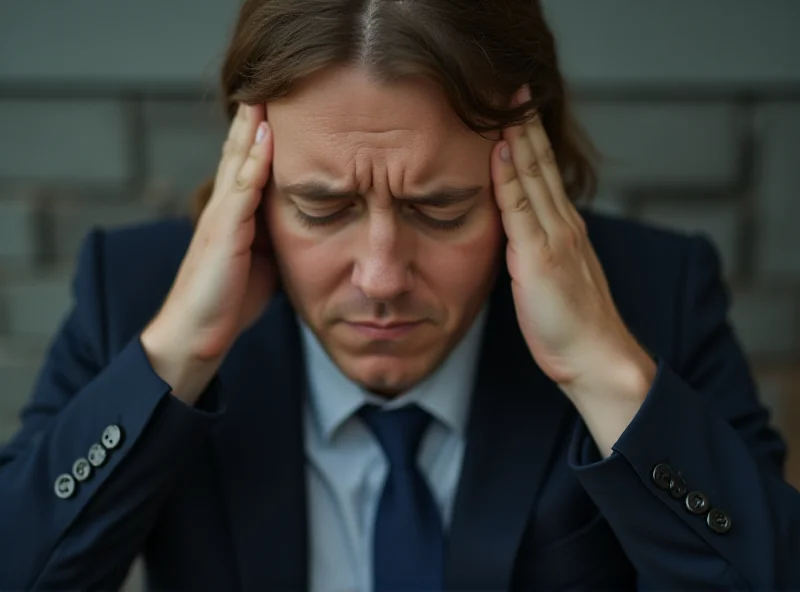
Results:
x,y
310,221
443,217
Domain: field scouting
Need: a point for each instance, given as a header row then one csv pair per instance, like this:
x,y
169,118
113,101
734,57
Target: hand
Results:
x,y
564,306
226,278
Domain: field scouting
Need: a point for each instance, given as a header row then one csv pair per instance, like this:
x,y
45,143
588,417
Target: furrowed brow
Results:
x,y
315,191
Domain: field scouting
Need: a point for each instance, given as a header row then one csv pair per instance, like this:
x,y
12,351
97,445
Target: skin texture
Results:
x,y
381,257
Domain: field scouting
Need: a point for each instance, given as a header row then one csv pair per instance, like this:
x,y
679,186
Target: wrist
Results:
x,y
173,361
609,400
623,377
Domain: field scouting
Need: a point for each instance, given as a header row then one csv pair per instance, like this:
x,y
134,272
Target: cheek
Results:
x,y
460,270
306,265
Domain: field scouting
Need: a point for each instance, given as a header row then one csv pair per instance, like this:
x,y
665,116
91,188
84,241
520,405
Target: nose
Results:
x,y
383,264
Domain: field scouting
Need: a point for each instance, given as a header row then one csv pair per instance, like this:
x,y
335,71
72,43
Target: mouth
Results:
x,y
383,331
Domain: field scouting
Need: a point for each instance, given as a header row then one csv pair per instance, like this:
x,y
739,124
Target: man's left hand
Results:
x,y
564,306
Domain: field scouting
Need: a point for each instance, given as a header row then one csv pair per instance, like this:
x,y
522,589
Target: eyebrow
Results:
x,y
316,191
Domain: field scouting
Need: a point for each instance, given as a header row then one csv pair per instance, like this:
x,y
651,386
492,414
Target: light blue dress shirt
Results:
x,y
346,467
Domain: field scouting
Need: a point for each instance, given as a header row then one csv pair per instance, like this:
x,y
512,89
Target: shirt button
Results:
x,y
662,474
97,455
697,502
65,486
718,521
81,470
112,437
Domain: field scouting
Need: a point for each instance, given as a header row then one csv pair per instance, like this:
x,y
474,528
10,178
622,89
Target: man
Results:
x,y
392,355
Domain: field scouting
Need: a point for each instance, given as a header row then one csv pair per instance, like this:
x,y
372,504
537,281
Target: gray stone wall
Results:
x,y
108,116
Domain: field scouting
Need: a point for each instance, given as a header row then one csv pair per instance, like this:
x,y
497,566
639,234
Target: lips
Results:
x,y
391,325
383,331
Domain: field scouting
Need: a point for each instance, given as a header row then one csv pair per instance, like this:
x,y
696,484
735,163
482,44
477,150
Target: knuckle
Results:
x,y
549,256
565,239
242,182
521,204
509,175
230,148
548,156
534,169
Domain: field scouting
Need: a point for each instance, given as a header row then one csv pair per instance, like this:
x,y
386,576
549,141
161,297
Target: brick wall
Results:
x,y
107,116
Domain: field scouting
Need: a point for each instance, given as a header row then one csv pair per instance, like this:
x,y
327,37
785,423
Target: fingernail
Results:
x,y
505,153
261,132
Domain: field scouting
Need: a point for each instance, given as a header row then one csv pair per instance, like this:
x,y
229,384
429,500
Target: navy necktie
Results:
x,y
408,548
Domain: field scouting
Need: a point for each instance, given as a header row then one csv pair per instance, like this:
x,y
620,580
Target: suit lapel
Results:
x,y
516,418
259,452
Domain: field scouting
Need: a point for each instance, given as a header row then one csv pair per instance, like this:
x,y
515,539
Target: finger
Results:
x,y
237,146
545,156
230,145
519,219
248,187
530,173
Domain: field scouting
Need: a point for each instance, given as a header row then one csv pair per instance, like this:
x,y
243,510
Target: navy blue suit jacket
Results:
x,y
214,496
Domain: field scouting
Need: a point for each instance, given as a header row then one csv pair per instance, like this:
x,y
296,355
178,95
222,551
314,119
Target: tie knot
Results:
x,y
399,431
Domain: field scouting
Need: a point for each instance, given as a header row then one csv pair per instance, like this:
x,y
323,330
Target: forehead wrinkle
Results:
x,y
359,156
349,131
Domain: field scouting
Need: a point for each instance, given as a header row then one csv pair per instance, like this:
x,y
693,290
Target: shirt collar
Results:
x,y
445,394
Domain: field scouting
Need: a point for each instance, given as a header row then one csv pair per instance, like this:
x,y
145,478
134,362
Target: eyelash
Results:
x,y
318,222
323,221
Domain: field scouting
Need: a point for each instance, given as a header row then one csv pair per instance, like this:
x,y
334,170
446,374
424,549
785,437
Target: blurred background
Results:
x,y
108,116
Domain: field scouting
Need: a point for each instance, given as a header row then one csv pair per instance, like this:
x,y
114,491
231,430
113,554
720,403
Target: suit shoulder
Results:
x,y
131,268
147,255
607,230
161,240
647,267
634,249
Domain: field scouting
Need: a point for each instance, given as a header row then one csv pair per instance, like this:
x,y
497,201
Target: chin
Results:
x,y
386,375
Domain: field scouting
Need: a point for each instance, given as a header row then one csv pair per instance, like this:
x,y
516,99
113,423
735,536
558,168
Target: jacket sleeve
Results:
x,y
101,440
694,488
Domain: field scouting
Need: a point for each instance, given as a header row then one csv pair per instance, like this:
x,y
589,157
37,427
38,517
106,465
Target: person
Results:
x,y
391,353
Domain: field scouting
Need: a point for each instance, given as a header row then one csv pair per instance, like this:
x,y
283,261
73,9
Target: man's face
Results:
x,y
383,221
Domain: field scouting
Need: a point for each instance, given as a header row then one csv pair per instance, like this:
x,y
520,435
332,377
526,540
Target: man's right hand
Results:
x,y
227,277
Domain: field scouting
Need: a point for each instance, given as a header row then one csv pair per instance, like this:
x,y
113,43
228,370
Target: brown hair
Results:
x,y
480,52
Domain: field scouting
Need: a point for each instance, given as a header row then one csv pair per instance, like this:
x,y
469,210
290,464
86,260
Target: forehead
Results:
x,y
342,115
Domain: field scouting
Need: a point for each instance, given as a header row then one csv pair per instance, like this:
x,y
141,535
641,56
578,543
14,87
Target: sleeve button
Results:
x,y
112,437
662,474
697,502
678,486
81,470
97,455
65,486
718,521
